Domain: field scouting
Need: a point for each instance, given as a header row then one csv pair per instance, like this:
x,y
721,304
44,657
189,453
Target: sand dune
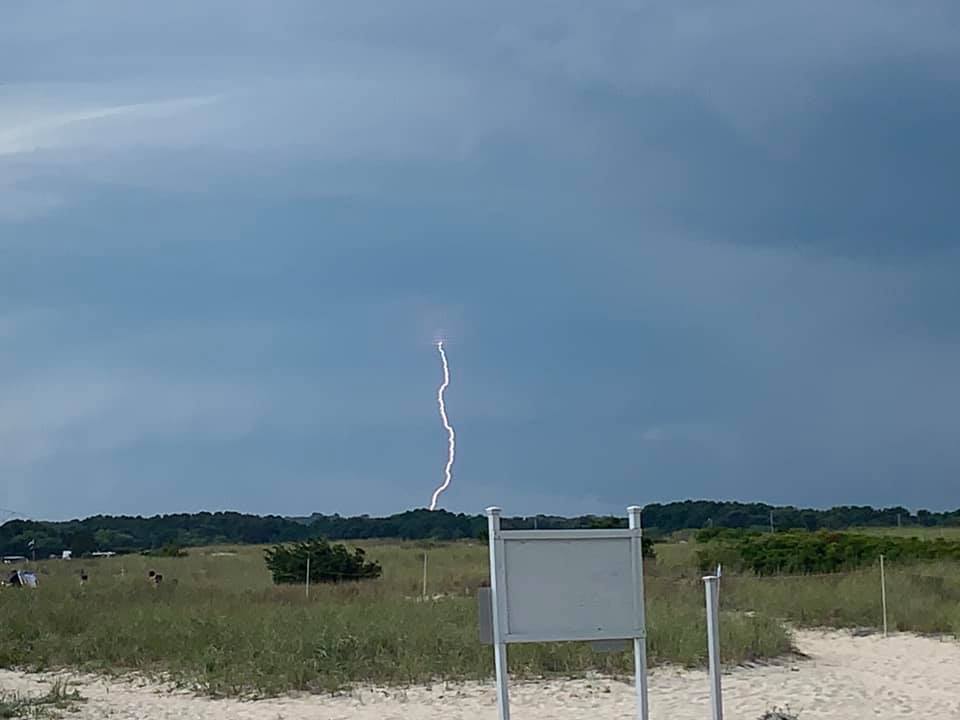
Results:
x,y
845,678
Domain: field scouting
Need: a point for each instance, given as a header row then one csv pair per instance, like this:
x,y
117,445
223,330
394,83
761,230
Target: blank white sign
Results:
x,y
570,589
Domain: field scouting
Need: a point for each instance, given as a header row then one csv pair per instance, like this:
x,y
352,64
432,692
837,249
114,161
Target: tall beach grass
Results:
x,y
218,625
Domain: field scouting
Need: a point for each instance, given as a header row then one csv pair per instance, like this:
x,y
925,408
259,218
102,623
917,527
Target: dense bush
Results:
x,y
328,563
822,552
646,545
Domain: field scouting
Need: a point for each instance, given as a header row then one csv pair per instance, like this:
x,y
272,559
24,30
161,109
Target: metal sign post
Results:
x,y
639,643
712,585
560,585
497,593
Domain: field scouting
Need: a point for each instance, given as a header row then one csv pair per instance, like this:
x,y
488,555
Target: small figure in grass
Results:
x,y
83,577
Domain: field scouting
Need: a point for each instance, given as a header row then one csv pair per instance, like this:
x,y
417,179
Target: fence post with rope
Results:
x,y
883,595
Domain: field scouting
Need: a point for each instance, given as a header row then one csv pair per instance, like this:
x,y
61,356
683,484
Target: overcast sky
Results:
x,y
678,250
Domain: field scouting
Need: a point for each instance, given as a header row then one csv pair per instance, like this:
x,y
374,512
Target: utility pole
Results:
x,y
771,522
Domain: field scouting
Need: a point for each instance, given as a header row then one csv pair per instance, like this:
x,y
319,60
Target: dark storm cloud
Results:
x,y
684,251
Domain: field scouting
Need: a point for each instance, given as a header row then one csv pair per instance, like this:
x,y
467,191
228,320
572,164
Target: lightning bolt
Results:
x,y
452,442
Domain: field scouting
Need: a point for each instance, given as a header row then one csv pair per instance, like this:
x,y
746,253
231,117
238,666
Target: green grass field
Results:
x,y
218,625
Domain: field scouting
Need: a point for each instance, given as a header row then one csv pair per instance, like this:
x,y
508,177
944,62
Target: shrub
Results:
x,y
328,563
821,552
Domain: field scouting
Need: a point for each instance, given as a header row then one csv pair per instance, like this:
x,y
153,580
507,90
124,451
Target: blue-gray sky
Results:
x,y
678,250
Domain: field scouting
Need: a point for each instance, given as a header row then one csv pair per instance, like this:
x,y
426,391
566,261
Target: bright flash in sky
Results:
x,y
452,438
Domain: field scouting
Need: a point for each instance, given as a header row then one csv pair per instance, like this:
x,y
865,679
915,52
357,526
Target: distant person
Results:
x,y
83,577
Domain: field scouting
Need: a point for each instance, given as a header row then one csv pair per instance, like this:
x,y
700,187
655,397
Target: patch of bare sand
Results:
x,y
845,677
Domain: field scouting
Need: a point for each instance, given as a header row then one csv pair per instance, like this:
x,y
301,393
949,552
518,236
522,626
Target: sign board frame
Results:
x,y
567,585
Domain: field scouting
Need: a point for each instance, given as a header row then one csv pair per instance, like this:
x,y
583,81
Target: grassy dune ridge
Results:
x,y
224,629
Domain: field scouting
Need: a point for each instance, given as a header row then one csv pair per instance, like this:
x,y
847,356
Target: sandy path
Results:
x,y
845,678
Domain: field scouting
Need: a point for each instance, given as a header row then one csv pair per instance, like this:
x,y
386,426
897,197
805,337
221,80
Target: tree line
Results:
x,y
125,534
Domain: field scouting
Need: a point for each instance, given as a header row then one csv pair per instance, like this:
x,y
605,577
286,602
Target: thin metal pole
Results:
x,y
883,595
496,589
713,646
424,596
308,577
639,643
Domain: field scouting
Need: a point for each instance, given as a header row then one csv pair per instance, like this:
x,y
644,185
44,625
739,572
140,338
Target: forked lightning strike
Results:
x,y
452,449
